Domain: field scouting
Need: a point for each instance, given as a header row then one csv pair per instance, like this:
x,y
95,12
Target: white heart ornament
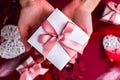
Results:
x,y
111,44
12,46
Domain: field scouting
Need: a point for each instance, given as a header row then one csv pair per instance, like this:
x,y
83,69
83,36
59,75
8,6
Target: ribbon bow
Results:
x,y
115,9
30,71
49,40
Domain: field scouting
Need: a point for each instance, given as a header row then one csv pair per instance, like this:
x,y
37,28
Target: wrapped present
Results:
x,y
112,13
30,69
58,39
111,44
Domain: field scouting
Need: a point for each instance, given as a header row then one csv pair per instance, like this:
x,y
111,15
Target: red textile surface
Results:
x,y
94,58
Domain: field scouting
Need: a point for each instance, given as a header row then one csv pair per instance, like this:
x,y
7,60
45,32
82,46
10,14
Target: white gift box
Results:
x,y
58,56
30,62
108,13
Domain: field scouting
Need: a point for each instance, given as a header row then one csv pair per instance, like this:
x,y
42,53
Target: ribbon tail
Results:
x,y
39,70
70,52
43,38
25,76
74,45
113,16
43,71
48,46
73,49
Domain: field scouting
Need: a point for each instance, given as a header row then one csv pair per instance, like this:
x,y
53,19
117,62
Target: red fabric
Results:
x,y
94,57
73,72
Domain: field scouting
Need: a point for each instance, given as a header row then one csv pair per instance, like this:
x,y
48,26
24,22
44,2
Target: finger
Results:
x,y
90,5
40,58
80,16
84,20
69,9
83,47
75,57
73,60
83,14
80,12
24,37
36,55
47,10
23,2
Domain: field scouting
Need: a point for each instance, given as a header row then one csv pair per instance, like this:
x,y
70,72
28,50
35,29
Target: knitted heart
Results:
x,y
111,45
12,46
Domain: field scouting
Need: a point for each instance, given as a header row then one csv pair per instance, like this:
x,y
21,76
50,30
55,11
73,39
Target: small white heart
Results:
x,y
112,43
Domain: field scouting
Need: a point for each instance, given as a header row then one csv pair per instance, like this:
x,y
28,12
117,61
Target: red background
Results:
x,y
94,58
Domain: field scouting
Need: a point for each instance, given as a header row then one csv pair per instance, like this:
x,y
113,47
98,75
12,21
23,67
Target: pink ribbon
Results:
x,y
30,71
51,38
115,9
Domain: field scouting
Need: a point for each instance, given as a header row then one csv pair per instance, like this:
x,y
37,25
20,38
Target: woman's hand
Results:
x,y
34,12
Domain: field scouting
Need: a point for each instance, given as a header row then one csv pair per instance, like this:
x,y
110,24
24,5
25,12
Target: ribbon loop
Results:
x,y
115,8
49,40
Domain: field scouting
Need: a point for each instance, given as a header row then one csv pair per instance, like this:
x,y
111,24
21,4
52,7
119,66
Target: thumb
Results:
x,y
80,15
24,33
83,19
69,9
